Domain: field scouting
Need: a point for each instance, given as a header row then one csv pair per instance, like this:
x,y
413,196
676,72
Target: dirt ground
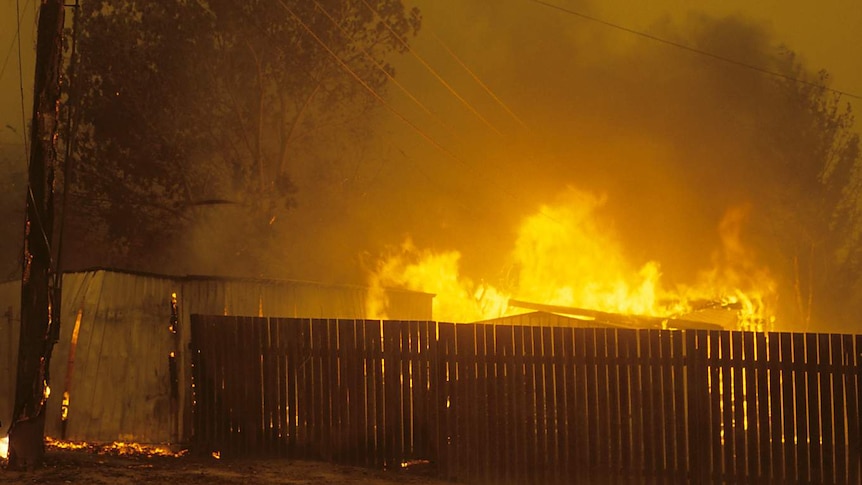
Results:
x,y
82,466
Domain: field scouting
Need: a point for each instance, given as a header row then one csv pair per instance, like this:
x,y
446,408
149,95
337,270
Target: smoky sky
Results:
x,y
651,127
671,138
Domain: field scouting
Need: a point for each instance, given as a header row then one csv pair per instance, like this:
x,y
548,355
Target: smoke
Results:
x,y
668,138
651,127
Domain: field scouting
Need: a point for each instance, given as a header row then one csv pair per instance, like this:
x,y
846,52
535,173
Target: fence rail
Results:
x,y
513,404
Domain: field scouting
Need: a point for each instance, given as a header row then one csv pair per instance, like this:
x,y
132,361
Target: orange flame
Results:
x,y
564,256
120,448
457,299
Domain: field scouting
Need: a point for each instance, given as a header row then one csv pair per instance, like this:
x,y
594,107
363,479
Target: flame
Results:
x,y
68,445
457,299
64,407
735,278
4,447
123,449
119,448
564,256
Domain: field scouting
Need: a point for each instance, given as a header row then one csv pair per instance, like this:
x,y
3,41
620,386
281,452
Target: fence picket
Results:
x,y
626,381
838,414
812,362
855,409
749,369
668,415
762,364
826,436
582,414
505,347
773,346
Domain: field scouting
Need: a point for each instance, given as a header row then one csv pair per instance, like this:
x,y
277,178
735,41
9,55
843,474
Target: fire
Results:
x,y
4,447
68,445
735,279
564,256
457,299
120,448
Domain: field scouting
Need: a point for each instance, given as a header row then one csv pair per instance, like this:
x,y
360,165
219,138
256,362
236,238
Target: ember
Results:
x,y
118,448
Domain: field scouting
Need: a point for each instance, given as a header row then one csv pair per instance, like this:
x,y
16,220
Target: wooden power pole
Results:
x,y
39,327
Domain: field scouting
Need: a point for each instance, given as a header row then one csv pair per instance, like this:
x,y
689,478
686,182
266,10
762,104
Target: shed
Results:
x,y
123,356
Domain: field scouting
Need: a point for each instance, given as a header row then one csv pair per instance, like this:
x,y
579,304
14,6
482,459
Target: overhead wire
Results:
x,y
14,39
433,71
365,85
391,109
479,81
21,81
695,50
389,75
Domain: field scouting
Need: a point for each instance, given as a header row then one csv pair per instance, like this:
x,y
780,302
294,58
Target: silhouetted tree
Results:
x,y
814,195
179,105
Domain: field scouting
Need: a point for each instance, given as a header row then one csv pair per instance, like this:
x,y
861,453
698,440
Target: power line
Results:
x,y
21,82
389,107
695,50
365,85
433,71
479,81
12,44
388,75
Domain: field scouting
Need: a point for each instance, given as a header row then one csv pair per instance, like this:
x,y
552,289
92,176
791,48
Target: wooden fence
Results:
x,y
511,404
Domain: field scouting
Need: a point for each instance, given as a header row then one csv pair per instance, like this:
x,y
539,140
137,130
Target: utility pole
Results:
x,y
39,326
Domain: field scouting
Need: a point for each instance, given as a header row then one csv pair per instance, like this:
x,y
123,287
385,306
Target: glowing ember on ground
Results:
x,y
564,256
116,448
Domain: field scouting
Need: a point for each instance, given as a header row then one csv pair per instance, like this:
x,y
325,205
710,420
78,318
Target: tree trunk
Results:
x,y
38,329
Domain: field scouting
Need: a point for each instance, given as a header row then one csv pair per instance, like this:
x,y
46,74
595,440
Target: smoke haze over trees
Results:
x,y
221,137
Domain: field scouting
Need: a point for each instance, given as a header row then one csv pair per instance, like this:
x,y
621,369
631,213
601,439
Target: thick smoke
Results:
x,y
670,138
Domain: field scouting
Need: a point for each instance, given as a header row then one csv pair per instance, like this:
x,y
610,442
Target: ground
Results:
x,y
83,466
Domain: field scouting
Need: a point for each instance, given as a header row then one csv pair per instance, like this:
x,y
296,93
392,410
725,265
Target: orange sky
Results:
x,y
827,34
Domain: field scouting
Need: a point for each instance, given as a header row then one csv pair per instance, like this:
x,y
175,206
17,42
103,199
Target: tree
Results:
x,y
813,193
182,105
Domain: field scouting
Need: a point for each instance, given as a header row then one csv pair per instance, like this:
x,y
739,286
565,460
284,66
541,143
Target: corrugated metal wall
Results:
x,y
10,318
117,377
118,373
